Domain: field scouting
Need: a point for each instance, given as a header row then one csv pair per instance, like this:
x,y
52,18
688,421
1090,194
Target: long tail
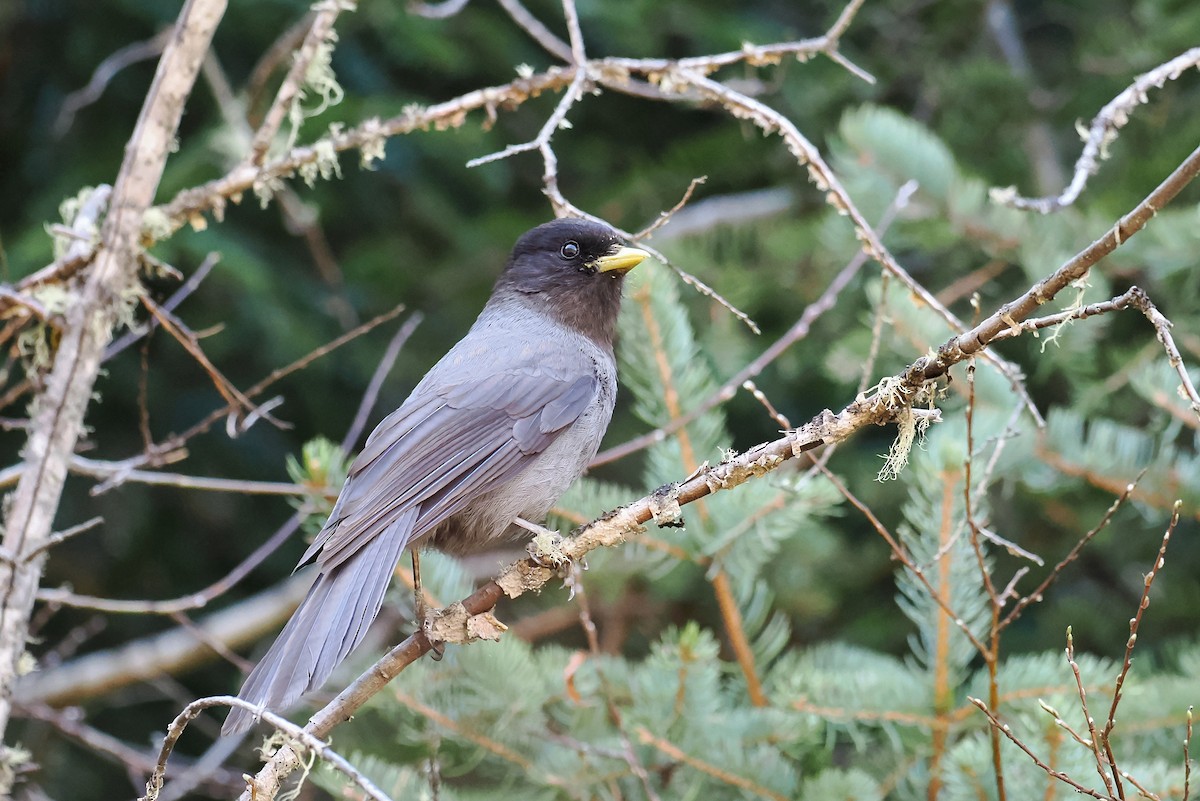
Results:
x,y
331,620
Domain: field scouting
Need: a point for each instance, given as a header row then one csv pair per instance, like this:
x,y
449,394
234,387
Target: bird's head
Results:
x,y
573,270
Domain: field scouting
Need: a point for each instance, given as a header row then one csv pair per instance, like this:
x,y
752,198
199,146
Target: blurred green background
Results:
x,y
993,88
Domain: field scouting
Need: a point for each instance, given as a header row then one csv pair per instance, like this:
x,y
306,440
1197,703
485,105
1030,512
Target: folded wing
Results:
x,y
455,437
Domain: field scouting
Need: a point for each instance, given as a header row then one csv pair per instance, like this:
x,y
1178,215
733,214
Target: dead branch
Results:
x,y
1102,133
101,672
87,330
301,740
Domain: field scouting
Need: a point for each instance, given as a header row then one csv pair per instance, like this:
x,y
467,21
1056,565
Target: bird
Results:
x,y
489,439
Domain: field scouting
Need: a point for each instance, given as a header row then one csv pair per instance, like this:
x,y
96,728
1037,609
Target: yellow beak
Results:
x,y
622,261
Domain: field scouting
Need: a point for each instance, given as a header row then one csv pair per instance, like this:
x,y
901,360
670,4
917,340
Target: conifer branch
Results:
x,y
707,768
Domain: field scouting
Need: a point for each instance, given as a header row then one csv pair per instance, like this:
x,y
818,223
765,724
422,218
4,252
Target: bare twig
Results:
x,y
905,558
1162,326
1039,592
320,29
666,216
377,378
237,402
1160,561
169,305
59,536
195,600
707,768
105,71
1058,774
70,722
177,441
1103,131
1093,742
60,407
443,10
100,673
534,27
798,331
1187,760
302,737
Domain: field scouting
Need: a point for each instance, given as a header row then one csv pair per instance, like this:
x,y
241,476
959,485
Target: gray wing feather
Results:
x,y
331,620
456,435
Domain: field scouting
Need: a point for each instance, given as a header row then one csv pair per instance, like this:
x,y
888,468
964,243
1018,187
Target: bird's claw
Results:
x,y
437,648
546,549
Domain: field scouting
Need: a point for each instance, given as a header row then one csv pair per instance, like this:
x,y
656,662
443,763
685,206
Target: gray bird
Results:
x,y
497,430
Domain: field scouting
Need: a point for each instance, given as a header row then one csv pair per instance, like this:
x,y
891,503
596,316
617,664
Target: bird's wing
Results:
x,y
451,439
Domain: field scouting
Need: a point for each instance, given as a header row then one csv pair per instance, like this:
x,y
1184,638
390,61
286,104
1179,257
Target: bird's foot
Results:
x,y
437,648
425,617
546,548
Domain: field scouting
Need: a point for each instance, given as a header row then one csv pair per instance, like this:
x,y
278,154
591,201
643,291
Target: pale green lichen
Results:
x,y
324,165
68,210
373,143
911,427
156,225
320,83
34,343
1081,286
14,760
265,188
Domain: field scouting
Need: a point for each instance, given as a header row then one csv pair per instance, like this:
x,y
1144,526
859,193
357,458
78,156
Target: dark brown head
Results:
x,y
573,270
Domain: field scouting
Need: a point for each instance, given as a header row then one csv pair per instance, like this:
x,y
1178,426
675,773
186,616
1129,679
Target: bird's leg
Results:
x,y
421,609
546,546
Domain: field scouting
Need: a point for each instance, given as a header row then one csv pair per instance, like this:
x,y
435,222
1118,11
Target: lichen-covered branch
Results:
x,y
105,295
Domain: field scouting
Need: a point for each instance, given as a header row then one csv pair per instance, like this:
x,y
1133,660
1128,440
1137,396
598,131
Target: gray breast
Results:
x,y
531,493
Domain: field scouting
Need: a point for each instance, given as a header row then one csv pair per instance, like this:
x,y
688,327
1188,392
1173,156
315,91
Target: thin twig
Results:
x,y
1187,760
707,768
905,558
105,71
70,721
1101,134
1039,592
664,217
301,736
195,600
1160,561
234,397
1058,774
442,10
798,331
995,599
367,404
169,305
534,27
319,31
59,536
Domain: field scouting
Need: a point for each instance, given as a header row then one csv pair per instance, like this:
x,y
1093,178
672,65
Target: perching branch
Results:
x,y
470,617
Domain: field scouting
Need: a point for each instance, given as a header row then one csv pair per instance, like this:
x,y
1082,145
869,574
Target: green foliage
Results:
x,y
320,471
866,677
512,720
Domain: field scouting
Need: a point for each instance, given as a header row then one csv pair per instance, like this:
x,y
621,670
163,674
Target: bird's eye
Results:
x,y
569,250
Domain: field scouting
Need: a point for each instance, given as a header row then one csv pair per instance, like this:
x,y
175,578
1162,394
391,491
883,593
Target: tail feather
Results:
x,y
332,619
